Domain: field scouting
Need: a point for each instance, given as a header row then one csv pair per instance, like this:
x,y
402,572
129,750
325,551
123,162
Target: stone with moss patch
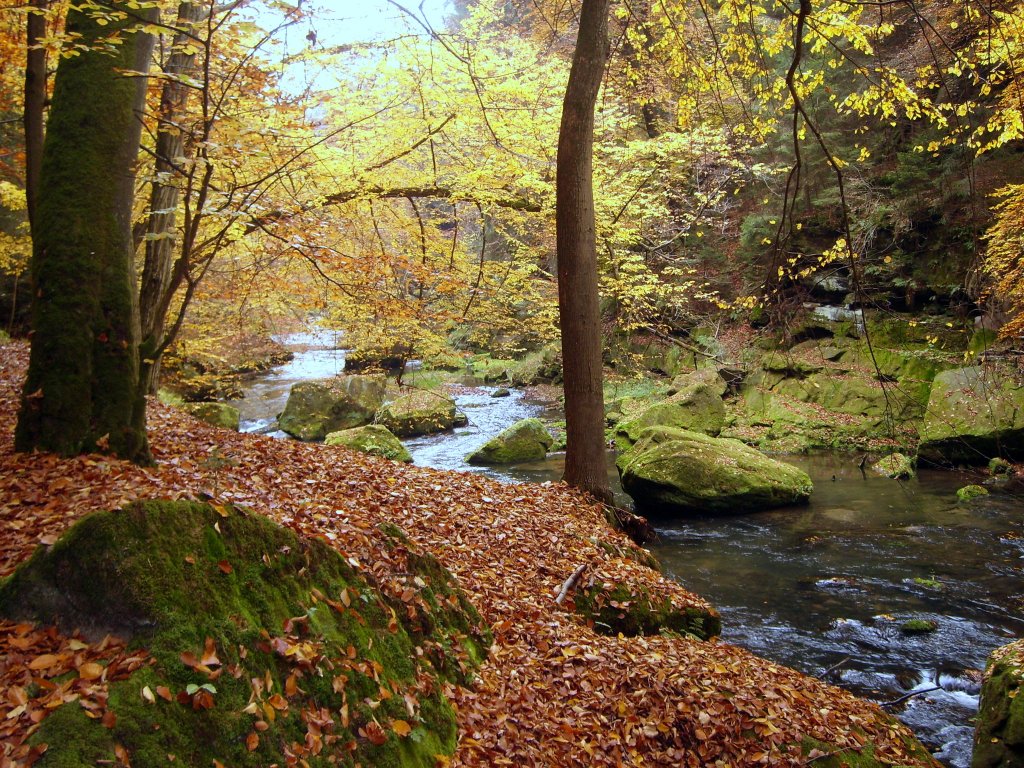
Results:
x,y
526,440
678,471
420,412
179,577
631,609
919,626
373,439
999,732
898,466
969,492
317,408
218,414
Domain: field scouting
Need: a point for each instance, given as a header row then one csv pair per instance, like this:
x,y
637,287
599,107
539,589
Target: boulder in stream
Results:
x,y
677,470
420,412
973,414
999,733
526,440
373,439
317,408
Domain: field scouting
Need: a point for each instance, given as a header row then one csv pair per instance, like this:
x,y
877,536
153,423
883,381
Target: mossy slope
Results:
x,y
313,659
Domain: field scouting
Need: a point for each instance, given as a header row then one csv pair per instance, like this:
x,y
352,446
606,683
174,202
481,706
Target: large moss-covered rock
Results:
x,y
974,413
373,439
317,408
676,470
316,654
420,412
218,414
696,405
526,440
999,733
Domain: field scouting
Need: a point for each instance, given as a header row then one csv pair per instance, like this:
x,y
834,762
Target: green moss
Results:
x,y
632,610
999,734
969,492
420,412
526,440
170,575
918,626
829,756
373,439
218,414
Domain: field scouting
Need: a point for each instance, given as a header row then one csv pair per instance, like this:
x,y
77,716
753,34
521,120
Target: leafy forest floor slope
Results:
x,y
553,691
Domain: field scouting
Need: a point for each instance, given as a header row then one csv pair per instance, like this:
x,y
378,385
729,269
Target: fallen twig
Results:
x,y
570,583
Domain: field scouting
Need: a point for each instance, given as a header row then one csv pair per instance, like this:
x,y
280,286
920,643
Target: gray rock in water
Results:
x,y
317,408
679,471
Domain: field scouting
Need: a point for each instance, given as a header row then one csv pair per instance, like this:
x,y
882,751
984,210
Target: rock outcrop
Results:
x,y
999,733
974,414
695,405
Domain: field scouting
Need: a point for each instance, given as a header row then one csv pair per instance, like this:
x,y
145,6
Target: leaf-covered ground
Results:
x,y
553,691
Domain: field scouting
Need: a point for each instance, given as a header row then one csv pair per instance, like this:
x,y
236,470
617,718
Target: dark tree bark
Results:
x,y
35,105
159,280
82,393
586,462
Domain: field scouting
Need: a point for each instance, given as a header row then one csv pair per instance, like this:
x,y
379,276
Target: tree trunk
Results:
x,y
586,463
81,393
35,105
157,287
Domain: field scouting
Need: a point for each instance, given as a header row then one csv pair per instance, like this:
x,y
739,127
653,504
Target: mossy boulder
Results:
x,y
317,408
420,412
969,492
695,405
302,635
373,439
526,440
896,465
218,414
679,471
974,413
999,732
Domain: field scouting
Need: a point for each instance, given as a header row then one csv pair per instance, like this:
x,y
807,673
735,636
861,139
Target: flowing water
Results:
x,y
824,588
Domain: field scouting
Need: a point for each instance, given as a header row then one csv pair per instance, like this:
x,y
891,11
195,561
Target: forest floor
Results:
x,y
552,692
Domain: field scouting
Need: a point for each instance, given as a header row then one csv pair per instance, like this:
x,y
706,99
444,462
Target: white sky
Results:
x,y
348,21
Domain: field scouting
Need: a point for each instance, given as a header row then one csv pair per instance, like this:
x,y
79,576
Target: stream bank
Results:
x,y
826,587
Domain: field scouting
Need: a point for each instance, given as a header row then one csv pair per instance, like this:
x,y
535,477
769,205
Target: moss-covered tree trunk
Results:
x,y
578,303
82,390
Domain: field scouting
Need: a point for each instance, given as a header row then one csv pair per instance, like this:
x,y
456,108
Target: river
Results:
x,y
823,588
